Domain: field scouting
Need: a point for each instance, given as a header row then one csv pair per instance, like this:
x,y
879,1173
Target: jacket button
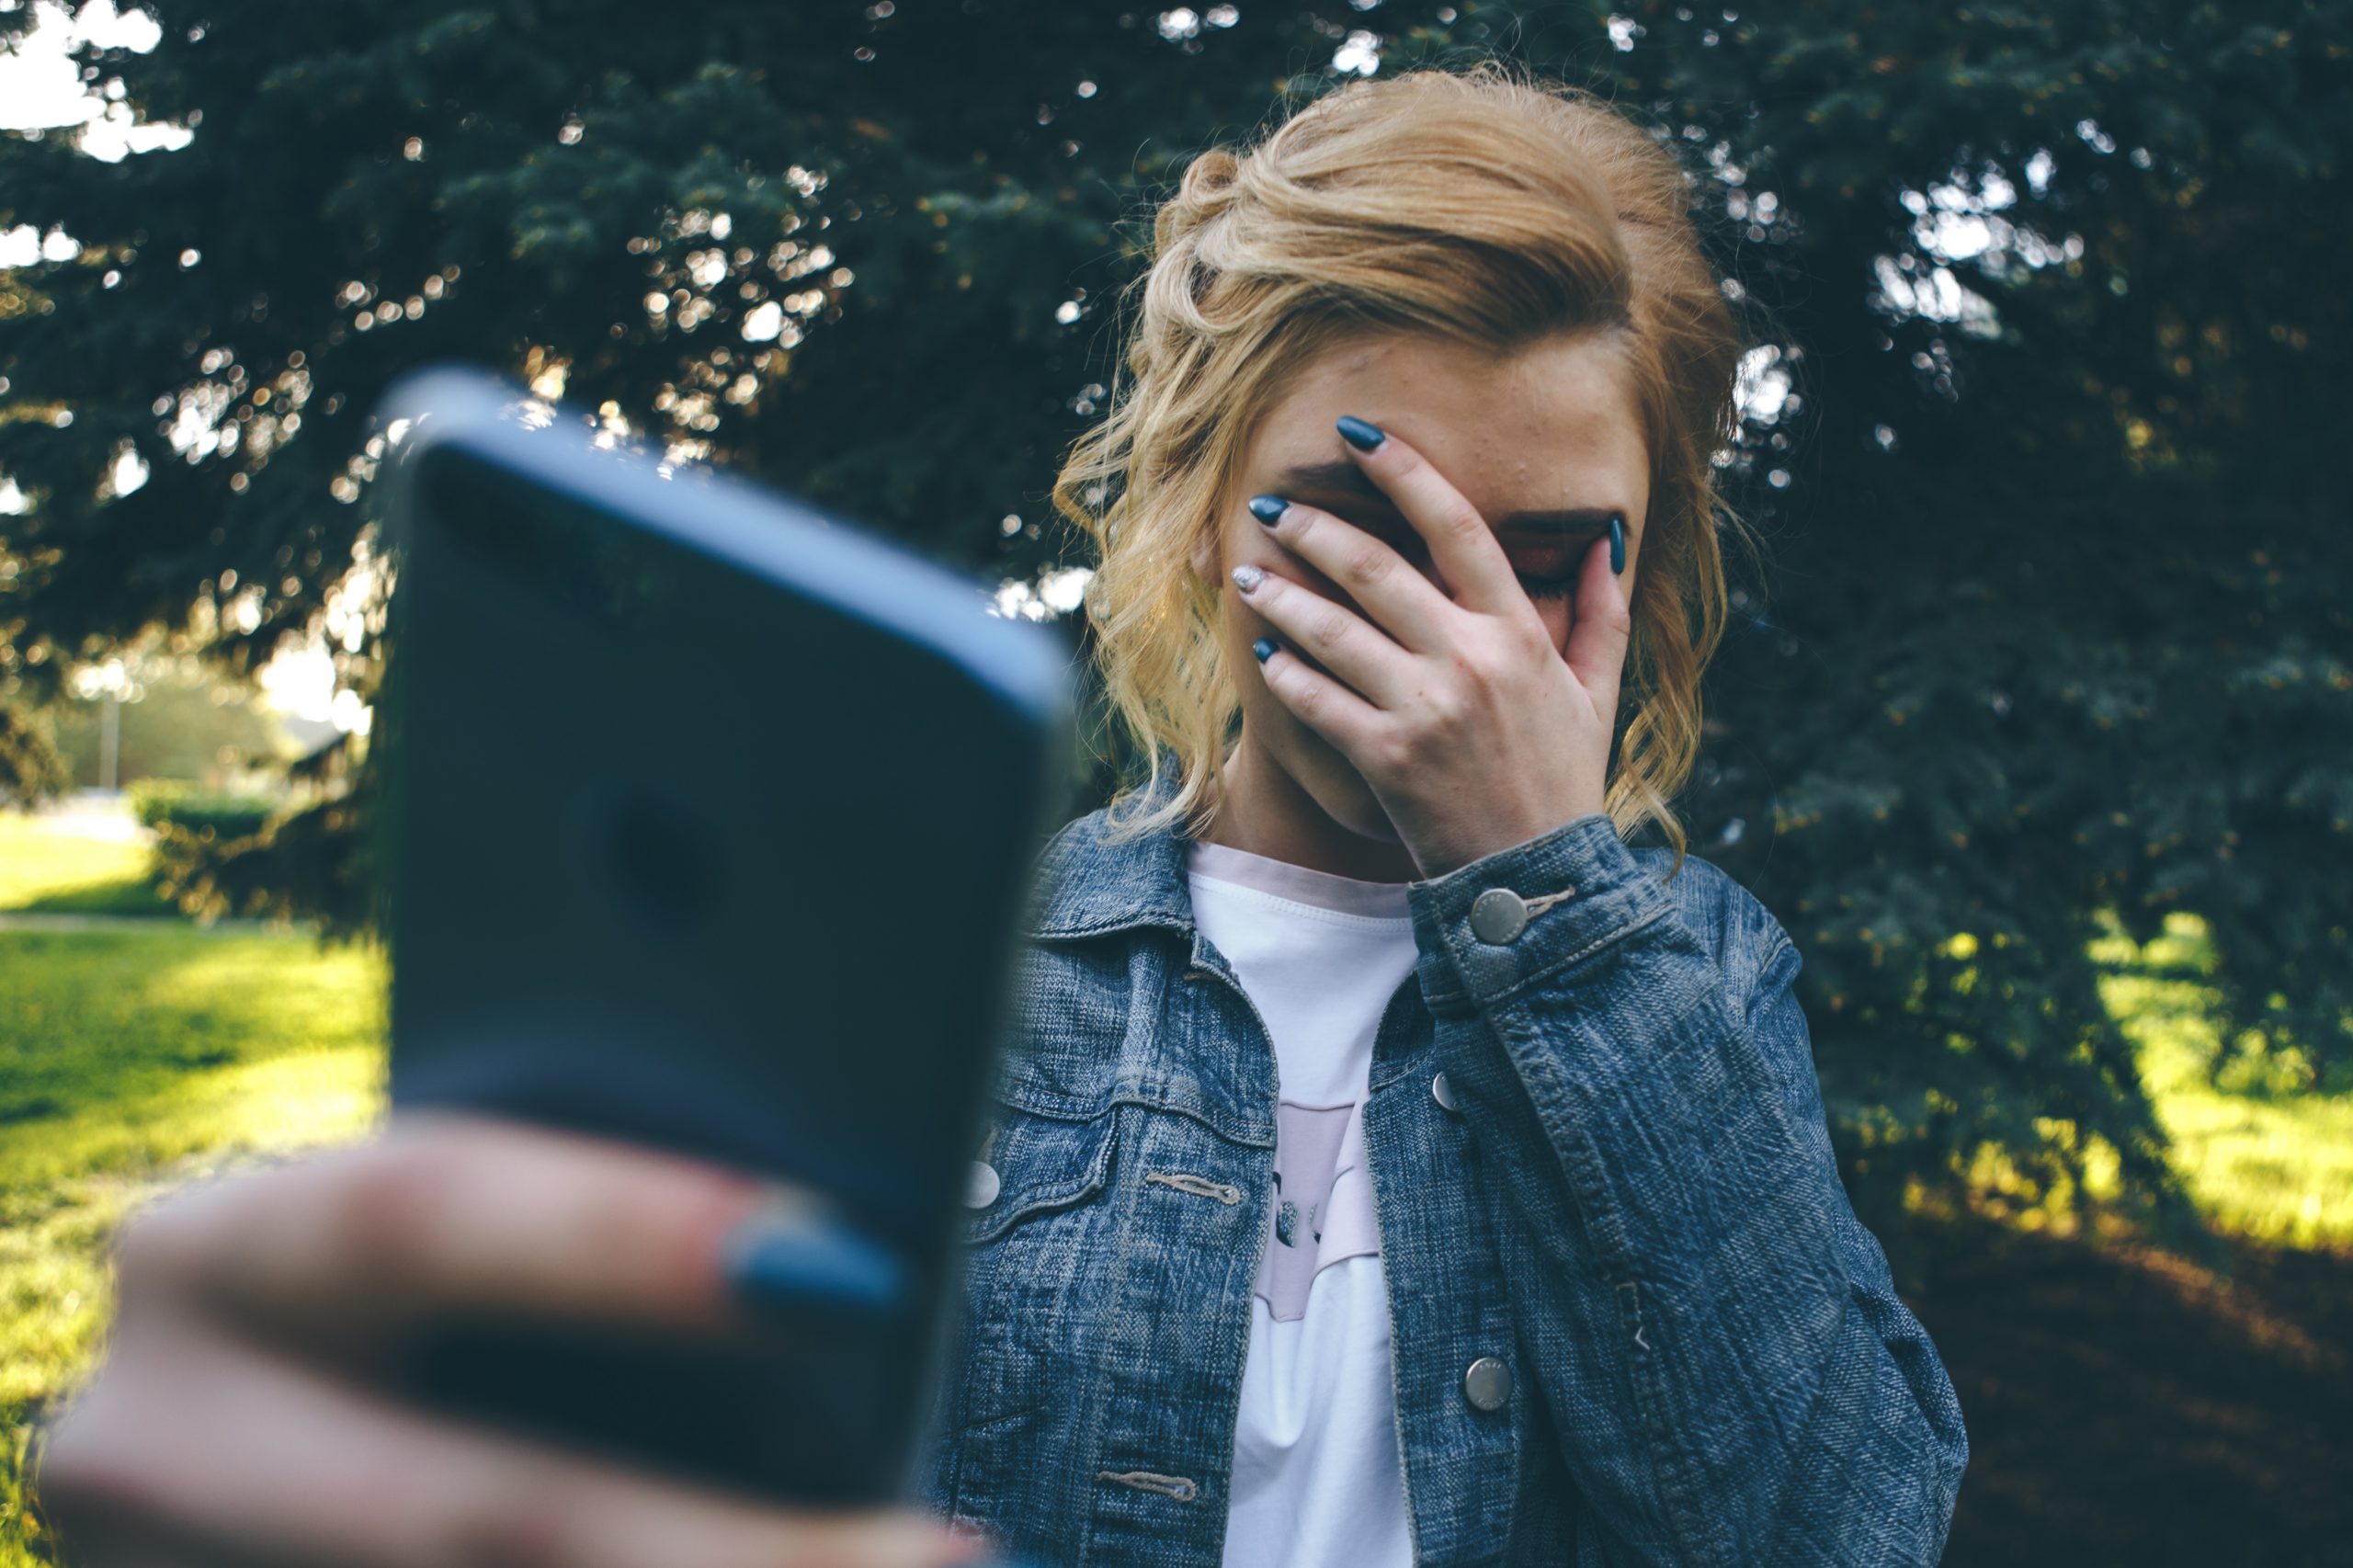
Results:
x,y
980,1187
1499,915
1486,1383
1443,1092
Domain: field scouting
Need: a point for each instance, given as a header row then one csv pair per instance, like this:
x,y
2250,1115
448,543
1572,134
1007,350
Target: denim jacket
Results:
x,y
1602,1175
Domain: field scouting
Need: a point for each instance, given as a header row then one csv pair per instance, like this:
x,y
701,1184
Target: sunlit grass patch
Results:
x,y
2266,1151
65,873
2264,1148
133,1061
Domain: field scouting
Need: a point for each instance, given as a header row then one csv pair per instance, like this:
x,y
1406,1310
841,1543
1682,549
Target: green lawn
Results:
x,y
141,1055
134,1059
51,873
2266,1153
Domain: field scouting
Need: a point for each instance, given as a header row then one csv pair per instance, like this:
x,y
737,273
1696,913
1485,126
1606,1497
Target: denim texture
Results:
x,y
1634,1206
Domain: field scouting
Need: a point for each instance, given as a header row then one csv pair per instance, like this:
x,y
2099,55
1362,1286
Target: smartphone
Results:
x,y
711,825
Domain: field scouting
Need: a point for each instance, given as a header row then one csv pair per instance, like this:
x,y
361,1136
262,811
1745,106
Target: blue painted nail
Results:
x,y
787,1259
1359,434
1263,649
1267,508
1617,542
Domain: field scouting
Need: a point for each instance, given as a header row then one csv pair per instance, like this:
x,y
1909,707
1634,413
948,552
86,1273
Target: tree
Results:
x,y
2042,445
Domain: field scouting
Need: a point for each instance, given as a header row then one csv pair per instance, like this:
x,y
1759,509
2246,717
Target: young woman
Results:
x,y
1391,1165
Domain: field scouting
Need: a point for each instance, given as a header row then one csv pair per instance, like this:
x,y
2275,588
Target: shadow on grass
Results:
x,y
127,895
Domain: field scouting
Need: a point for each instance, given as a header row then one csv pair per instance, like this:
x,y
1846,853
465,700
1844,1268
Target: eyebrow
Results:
x,y
1344,478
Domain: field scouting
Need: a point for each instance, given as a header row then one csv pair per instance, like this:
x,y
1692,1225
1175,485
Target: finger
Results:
x,y
1393,592
1603,626
199,1448
455,1213
1463,547
1344,643
1319,701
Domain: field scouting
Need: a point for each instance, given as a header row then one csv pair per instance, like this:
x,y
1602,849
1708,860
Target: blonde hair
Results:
x,y
1472,205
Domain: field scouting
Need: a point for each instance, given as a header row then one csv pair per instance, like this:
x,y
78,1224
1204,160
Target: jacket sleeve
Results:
x,y
1717,1335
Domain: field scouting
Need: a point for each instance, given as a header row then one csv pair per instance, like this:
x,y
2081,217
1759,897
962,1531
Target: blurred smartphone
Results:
x,y
711,825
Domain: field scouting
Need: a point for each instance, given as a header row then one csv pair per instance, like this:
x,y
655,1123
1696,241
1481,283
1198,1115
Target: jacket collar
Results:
x,y
1088,885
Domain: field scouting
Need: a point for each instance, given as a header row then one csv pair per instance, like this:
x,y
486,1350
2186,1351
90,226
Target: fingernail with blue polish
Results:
x,y
787,1259
1617,542
1267,508
1359,434
1263,649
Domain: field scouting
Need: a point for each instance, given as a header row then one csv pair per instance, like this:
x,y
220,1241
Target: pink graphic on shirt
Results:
x,y
1324,1208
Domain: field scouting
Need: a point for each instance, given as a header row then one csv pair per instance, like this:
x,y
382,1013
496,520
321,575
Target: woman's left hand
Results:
x,y
1469,725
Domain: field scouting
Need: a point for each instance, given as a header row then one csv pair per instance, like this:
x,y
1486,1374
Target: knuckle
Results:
x,y
1332,628
1396,751
185,1237
1460,519
1530,639
159,1249
111,1455
390,1210
527,1520
1367,565
78,1475
1480,670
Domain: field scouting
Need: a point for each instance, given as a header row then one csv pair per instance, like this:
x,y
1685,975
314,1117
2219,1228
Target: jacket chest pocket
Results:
x,y
1038,1260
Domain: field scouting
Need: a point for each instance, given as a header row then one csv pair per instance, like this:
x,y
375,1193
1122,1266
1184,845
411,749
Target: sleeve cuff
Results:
x,y
1468,962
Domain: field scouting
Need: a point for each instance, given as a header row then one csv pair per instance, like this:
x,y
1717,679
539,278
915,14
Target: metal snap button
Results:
x,y
980,1187
1443,1092
1499,915
1486,1383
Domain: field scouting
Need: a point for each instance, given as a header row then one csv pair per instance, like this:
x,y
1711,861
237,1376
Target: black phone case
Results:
x,y
711,822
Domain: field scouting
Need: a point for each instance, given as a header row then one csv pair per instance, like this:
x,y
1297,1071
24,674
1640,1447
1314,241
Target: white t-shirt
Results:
x,y
1317,1480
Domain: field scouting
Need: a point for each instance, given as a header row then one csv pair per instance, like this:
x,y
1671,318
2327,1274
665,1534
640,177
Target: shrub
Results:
x,y
176,809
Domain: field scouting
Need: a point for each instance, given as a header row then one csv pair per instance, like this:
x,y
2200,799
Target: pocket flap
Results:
x,y
1042,1163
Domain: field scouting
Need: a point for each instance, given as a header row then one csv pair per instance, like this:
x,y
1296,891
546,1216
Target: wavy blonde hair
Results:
x,y
1475,205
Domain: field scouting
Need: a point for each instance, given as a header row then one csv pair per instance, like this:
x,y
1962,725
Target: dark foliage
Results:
x,y
2052,628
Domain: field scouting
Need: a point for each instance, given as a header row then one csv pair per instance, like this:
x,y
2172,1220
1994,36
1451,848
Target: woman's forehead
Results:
x,y
1548,428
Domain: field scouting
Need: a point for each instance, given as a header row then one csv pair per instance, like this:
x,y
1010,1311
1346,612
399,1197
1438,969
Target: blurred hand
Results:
x,y
239,1417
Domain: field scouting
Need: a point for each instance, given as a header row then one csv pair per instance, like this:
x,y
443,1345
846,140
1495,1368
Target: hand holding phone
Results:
x,y
251,1405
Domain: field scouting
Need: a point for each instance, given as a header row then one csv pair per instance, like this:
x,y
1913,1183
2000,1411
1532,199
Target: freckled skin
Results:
x,y
1551,426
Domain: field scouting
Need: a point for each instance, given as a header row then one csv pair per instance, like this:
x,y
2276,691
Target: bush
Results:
x,y
176,809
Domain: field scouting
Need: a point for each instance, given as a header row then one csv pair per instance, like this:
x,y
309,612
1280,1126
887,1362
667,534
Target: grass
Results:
x,y
2265,1149
51,873
136,1058
2267,1153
